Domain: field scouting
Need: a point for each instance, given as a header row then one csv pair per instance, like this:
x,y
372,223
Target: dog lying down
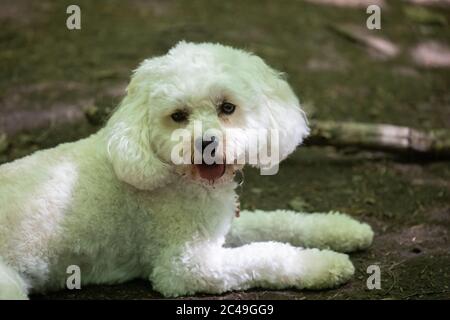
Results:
x,y
117,206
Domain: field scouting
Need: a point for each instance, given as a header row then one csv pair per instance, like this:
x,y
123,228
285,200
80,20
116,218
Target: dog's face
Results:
x,y
200,112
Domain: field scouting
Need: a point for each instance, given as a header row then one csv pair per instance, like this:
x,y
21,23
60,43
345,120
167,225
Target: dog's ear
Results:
x,y
281,110
129,141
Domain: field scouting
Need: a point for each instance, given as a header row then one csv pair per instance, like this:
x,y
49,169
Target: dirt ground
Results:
x,y
58,85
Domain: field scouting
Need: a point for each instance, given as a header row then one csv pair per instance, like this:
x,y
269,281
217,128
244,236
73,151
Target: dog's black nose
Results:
x,y
206,143
213,142
202,144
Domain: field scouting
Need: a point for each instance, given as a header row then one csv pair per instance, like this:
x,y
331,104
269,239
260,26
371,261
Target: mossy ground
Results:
x,y
47,70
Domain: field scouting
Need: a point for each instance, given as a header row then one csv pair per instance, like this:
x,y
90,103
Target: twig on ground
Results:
x,y
383,137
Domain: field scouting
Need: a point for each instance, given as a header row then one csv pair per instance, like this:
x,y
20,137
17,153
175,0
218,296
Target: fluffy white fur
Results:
x,y
116,206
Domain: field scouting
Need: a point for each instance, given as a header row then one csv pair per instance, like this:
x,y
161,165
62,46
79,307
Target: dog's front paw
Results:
x,y
321,269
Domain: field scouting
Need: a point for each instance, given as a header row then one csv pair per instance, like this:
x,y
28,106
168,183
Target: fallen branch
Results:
x,y
381,137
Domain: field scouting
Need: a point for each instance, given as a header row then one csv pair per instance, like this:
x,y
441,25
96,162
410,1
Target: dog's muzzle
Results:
x,y
209,169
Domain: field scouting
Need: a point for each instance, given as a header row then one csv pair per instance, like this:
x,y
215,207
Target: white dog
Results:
x,y
116,206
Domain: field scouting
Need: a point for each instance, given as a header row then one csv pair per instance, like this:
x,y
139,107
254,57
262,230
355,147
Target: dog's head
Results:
x,y
200,101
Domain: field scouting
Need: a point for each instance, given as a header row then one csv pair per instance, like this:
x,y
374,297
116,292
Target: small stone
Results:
x,y
256,190
299,204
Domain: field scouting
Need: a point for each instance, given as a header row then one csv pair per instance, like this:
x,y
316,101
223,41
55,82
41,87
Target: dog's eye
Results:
x,y
227,107
179,116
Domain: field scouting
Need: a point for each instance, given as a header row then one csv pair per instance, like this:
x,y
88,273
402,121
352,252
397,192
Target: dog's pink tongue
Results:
x,y
211,172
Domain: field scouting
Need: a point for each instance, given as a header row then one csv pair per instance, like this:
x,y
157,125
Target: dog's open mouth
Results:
x,y
211,171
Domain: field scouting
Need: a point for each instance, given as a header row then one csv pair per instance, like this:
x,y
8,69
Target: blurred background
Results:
x,y
59,85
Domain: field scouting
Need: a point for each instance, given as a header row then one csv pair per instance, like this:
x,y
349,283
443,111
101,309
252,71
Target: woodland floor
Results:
x,y
58,85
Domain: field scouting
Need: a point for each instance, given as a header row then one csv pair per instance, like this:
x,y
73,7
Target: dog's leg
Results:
x,y
211,268
12,286
334,231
